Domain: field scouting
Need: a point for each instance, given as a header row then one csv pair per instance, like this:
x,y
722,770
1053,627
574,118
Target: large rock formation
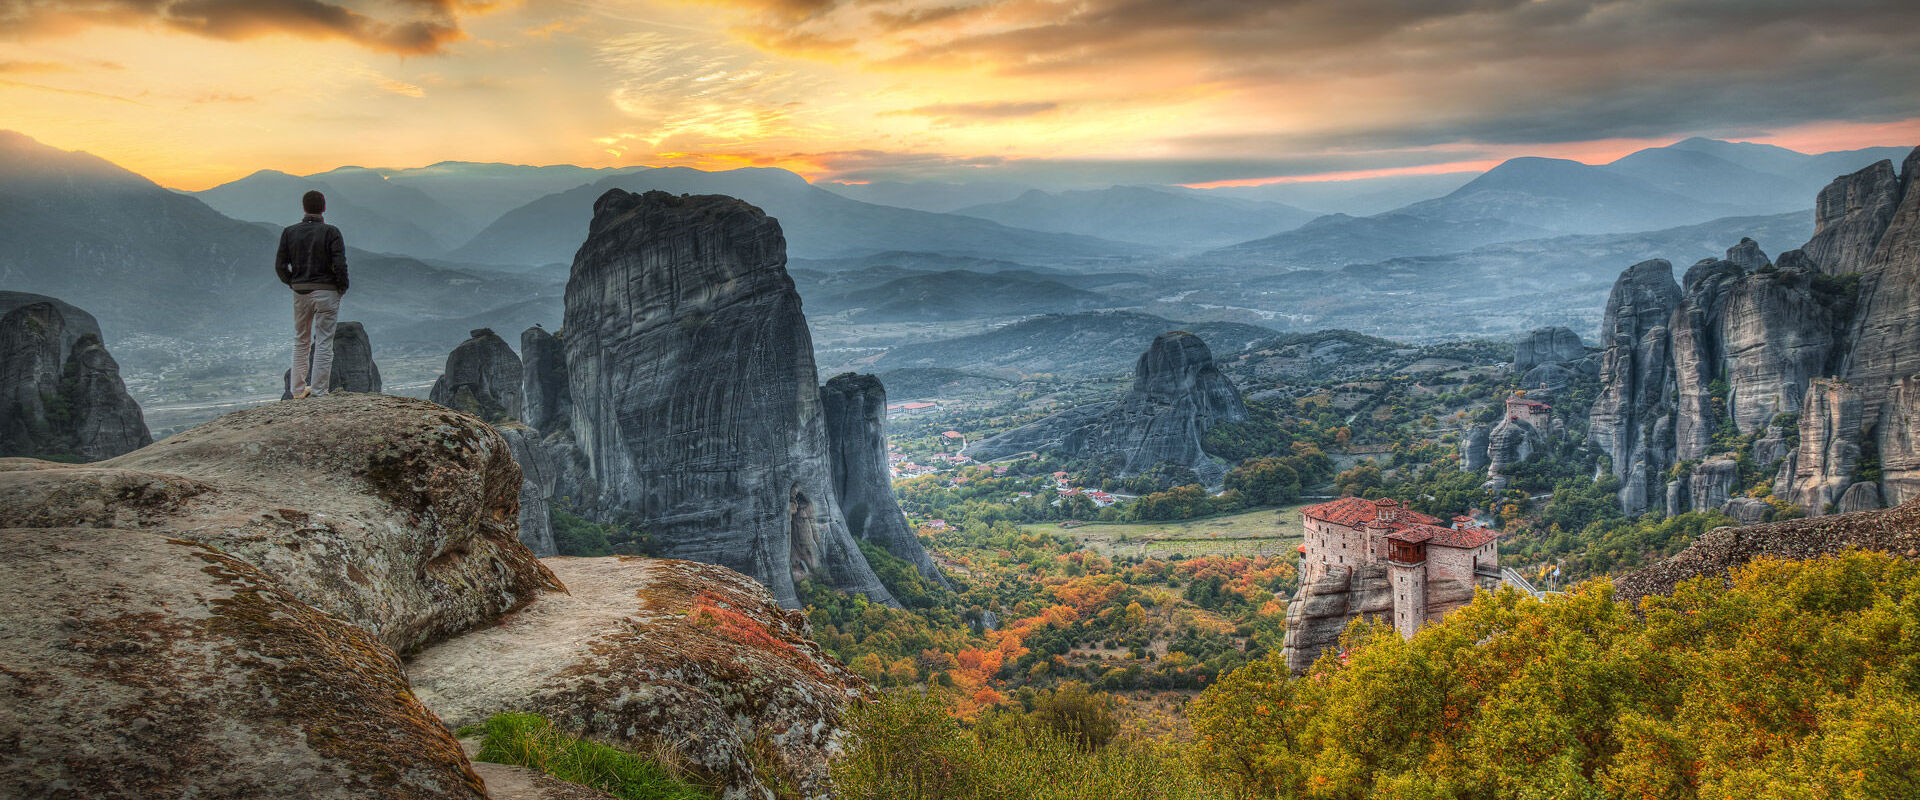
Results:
x,y
856,414
1324,607
1177,396
1829,446
482,378
143,665
694,398
60,391
353,367
547,401
540,471
1885,352
1632,420
1850,216
659,657
401,518
1550,345
1474,444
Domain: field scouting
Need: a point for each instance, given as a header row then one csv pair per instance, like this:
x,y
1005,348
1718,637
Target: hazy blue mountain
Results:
x,y
1355,197
817,223
383,217
1144,215
902,259
1813,171
1065,345
934,382
1567,197
927,195
1708,178
145,259
481,192
1336,240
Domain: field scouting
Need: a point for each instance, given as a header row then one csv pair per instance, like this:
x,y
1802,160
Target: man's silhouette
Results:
x,y
313,262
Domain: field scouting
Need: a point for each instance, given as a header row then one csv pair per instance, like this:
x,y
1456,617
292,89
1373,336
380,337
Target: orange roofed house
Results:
x,y
1432,567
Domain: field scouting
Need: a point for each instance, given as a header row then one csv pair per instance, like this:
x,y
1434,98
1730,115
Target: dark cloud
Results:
x,y
424,27
1395,74
960,113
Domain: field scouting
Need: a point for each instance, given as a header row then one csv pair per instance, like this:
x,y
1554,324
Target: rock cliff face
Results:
x,y
695,405
353,367
482,378
856,414
1177,396
1885,351
1750,341
1632,420
60,391
1323,608
546,399
1849,217
540,472
1552,345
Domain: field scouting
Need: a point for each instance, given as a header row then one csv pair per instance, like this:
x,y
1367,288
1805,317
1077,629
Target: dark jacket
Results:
x,y
312,256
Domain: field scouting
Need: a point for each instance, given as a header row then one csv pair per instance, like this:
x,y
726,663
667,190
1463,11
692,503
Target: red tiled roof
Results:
x,y
1464,538
1354,512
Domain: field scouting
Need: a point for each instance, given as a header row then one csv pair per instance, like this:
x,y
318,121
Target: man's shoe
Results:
x,y
303,394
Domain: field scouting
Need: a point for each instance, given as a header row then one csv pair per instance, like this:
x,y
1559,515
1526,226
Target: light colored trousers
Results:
x,y
314,315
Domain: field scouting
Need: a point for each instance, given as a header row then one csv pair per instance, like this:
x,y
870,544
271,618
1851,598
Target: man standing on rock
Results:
x,y
313,262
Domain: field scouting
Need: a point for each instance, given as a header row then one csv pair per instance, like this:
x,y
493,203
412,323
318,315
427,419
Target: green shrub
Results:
x,y
573,536
529,740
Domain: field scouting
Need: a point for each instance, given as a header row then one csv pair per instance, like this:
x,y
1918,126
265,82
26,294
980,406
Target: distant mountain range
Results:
x,y
1689,182
1145,215
817,223
144,259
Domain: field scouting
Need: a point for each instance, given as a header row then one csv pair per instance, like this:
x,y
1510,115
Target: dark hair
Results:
x,y
314,202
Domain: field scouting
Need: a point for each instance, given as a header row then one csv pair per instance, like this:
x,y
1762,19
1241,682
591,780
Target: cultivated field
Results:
x,y
1268,532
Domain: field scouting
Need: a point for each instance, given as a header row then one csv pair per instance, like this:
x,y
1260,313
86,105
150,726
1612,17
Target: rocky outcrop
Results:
x,y
1632,420
1885,352
143,665
547,401
1895,530
1511,442
695,405
855,407
1747,510
482,378
60,391
353,367
659,657
1850,216
402,519
1550,345
1712,484
1323,607
539,476
1829,446
1861,496
1473,448
1177,396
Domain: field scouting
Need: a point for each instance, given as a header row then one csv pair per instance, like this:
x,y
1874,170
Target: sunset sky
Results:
x,y
1090,92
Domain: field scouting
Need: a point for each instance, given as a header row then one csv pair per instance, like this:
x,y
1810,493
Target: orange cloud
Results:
x,y
433,25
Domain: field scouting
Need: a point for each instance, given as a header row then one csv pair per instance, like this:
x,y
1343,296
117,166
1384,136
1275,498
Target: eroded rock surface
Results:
x,y
1177,396
387,512
855,407
651,654
482,378
546,399
1849,217
695,402
139,665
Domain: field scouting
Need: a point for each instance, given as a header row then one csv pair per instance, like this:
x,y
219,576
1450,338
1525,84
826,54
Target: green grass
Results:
x,y
529,740
1268,531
